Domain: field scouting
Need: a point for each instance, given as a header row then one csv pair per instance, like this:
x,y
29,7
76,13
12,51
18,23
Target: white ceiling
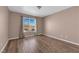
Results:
x,y
33,10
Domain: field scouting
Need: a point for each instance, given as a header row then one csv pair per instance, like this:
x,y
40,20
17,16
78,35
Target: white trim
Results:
x,y
4,46
18,37
13,38
8,41
62,39
29,35
43,34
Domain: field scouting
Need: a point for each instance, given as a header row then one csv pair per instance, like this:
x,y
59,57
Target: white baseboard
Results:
x,y
4,46
29,35
8,41
43,34
62,39
18,37
13,38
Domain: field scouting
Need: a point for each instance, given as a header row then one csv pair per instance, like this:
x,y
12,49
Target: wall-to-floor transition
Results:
x,y
14,25
63,25
3,26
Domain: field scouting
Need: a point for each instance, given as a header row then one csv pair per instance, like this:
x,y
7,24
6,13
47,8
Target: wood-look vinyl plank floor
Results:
x,y
40,44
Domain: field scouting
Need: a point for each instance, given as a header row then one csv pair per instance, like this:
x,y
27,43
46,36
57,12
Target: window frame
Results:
x,y
29,23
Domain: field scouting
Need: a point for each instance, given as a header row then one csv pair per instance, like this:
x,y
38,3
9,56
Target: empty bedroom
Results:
x,y
39,29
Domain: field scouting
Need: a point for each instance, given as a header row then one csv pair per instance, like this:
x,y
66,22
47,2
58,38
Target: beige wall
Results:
x,y
40,24
3,26
14,25
64,24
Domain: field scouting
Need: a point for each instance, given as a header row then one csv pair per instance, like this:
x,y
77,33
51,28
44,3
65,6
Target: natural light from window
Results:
x,y
29,24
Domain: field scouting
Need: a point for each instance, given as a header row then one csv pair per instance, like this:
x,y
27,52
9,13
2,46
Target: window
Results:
x,y
29,24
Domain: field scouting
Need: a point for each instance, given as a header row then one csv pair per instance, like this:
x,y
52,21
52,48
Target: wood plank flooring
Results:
x,y
40,44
